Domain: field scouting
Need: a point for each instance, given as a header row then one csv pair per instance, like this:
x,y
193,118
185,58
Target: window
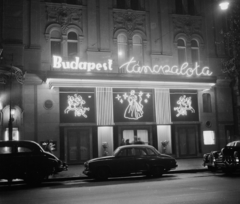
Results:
x,y
121,4
207,106
126,152
134,4
181,52
195,52
72,45
140,152
179,7
191,7
209,137
55,43
137,49
150,152
24,149
122,49
5,150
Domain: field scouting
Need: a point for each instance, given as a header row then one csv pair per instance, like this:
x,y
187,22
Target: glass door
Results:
x,y
78,145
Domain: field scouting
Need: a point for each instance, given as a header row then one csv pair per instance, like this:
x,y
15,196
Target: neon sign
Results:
x,y
88,66
134,110
133,67
75,103
185,104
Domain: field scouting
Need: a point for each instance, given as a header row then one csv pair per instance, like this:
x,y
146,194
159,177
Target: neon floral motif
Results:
x,y
134,110
75,103
185,104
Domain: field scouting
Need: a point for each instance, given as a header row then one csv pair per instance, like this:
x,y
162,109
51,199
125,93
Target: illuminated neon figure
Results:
x,y
75,103
134,110
185,104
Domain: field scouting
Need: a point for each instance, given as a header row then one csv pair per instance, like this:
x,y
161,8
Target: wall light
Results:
x,y
224,5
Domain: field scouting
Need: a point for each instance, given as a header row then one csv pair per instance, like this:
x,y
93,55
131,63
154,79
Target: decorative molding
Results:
x,y
187,24
129,20
64,15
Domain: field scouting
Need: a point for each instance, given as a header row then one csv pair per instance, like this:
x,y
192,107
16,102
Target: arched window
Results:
x,y
181,45
72,45
195,51
207,106
137,49
179,7
134,4
122,49
55,43
121,4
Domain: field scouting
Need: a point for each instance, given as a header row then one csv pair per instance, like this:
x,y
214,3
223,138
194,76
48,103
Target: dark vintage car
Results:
x,y
130,160
27,160
227,160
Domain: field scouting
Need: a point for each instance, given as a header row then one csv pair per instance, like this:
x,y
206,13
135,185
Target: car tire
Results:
x,y
102,174
157,171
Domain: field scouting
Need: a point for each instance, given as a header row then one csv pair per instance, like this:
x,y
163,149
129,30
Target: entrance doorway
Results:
x,y
78,145
137,133
187,141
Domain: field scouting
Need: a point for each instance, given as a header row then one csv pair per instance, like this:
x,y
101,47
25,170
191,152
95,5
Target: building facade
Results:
x,y
101,73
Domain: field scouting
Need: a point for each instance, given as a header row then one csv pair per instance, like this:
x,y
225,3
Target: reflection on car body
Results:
x,y
27,160
130,160
226,160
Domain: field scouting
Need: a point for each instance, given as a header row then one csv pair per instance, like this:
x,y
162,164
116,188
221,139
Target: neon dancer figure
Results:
x,y
134,109
75,103
185,104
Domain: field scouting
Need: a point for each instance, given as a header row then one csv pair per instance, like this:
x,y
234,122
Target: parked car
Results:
x,y
227,160
28,161
130,160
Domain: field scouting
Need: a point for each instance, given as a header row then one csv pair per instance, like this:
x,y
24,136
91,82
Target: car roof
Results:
x,y
136,145
18,142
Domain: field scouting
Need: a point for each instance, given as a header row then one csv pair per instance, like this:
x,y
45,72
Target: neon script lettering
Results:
x,y
88,66
133,67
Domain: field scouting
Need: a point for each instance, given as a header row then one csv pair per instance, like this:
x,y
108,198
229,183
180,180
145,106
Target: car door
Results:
x,y
6,159
141,160
124,162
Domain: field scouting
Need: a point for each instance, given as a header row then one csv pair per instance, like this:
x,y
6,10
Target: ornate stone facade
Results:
x,y
64,15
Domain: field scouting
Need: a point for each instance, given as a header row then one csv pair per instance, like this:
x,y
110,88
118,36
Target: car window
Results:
x,y
140,152
5,150
126,152
230,144
24,149
150,152
237,144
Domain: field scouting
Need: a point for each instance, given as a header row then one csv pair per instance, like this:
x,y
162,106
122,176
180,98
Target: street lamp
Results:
x,y
224,5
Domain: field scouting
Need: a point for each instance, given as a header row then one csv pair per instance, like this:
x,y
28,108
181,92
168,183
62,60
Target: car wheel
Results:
x,y
157,171
102,174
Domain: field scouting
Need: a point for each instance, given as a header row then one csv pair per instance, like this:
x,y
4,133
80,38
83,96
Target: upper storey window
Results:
x,y
78,2
55,43
181,45
122,49
72,45
129,4
195,51
137,49
186,7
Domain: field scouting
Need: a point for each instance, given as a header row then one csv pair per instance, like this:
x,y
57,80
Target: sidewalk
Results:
x,y
184,166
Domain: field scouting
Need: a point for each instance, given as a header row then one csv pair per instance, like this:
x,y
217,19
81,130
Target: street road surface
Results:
x,y
195,188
